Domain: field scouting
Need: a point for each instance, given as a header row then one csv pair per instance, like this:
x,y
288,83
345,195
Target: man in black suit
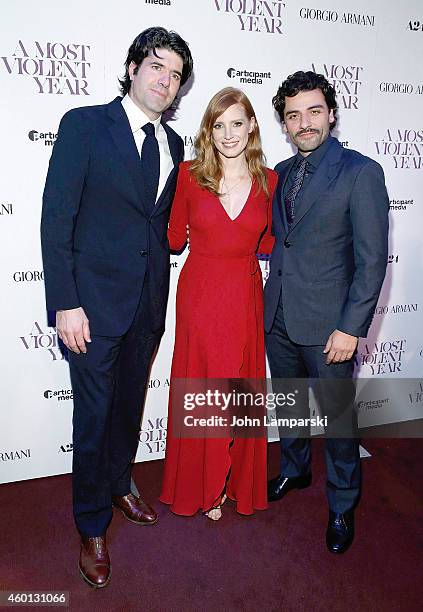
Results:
x,y
106,205
330,218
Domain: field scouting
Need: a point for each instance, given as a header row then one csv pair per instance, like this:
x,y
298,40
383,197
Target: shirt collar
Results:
x,y
317,155
136,117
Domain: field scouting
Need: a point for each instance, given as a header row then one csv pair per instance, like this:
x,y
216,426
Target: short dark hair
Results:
x,y
305,81
149,40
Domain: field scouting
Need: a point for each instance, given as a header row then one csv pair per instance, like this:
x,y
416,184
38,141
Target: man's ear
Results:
x,y
131,69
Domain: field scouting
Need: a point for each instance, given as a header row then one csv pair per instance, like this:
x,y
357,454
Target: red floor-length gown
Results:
x,y
219,334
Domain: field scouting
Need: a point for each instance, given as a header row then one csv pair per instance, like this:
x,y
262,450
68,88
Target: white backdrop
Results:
x,y
55,56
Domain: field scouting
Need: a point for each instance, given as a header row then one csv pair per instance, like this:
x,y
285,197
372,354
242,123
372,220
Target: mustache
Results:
x,y
307,131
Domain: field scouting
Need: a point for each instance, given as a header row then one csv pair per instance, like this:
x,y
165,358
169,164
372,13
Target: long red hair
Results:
x,y
206,167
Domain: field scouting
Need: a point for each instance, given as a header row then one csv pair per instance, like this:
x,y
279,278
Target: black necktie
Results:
x,y
150,166
293,191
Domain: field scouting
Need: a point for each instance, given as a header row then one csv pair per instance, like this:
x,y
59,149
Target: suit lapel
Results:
x,y
174,145
175,152
123,138
281,189
320,181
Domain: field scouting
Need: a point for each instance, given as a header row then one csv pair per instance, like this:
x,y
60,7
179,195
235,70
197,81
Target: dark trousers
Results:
x,y
335,394
109,383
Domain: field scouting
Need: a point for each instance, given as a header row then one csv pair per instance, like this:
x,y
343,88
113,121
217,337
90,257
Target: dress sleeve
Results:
x,y
267,240
177,230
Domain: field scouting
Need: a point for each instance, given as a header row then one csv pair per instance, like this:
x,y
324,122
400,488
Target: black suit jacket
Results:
x,y
328,268
98,240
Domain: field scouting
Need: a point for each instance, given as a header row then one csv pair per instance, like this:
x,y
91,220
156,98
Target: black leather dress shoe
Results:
x,y
281,485
340,532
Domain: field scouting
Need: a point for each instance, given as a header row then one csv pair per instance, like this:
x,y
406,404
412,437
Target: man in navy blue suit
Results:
x,y
106,205
330,219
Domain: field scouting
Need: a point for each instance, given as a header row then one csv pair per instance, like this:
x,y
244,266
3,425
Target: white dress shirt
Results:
x,y
137,119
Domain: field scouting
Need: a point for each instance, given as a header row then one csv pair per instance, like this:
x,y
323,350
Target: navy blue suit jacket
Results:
x,y
98,239
328,269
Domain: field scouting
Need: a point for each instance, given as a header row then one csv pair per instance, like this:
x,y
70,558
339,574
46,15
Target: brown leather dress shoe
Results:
x,y
135,509
94,562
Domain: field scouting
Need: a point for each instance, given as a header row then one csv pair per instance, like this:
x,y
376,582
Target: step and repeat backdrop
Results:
x,y
56,55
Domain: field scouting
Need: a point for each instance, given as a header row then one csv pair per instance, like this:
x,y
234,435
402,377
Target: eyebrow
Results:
x,y
232,120
309,108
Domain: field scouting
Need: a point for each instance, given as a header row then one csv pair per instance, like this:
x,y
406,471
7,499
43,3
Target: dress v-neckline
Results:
x,y
242,209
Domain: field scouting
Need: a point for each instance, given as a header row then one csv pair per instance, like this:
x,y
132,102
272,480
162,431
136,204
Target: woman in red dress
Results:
x,y
223,198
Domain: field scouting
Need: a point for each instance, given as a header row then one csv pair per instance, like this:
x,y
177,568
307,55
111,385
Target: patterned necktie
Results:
x,y
294,189
150,166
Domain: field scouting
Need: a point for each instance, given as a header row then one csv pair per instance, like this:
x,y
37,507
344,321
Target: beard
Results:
x,y
309,143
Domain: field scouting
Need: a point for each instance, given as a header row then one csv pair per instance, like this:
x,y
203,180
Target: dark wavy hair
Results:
x,y
150,40
305,81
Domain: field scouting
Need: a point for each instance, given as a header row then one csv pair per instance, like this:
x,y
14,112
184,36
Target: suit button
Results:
x,y
279,272
287,243
143,253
